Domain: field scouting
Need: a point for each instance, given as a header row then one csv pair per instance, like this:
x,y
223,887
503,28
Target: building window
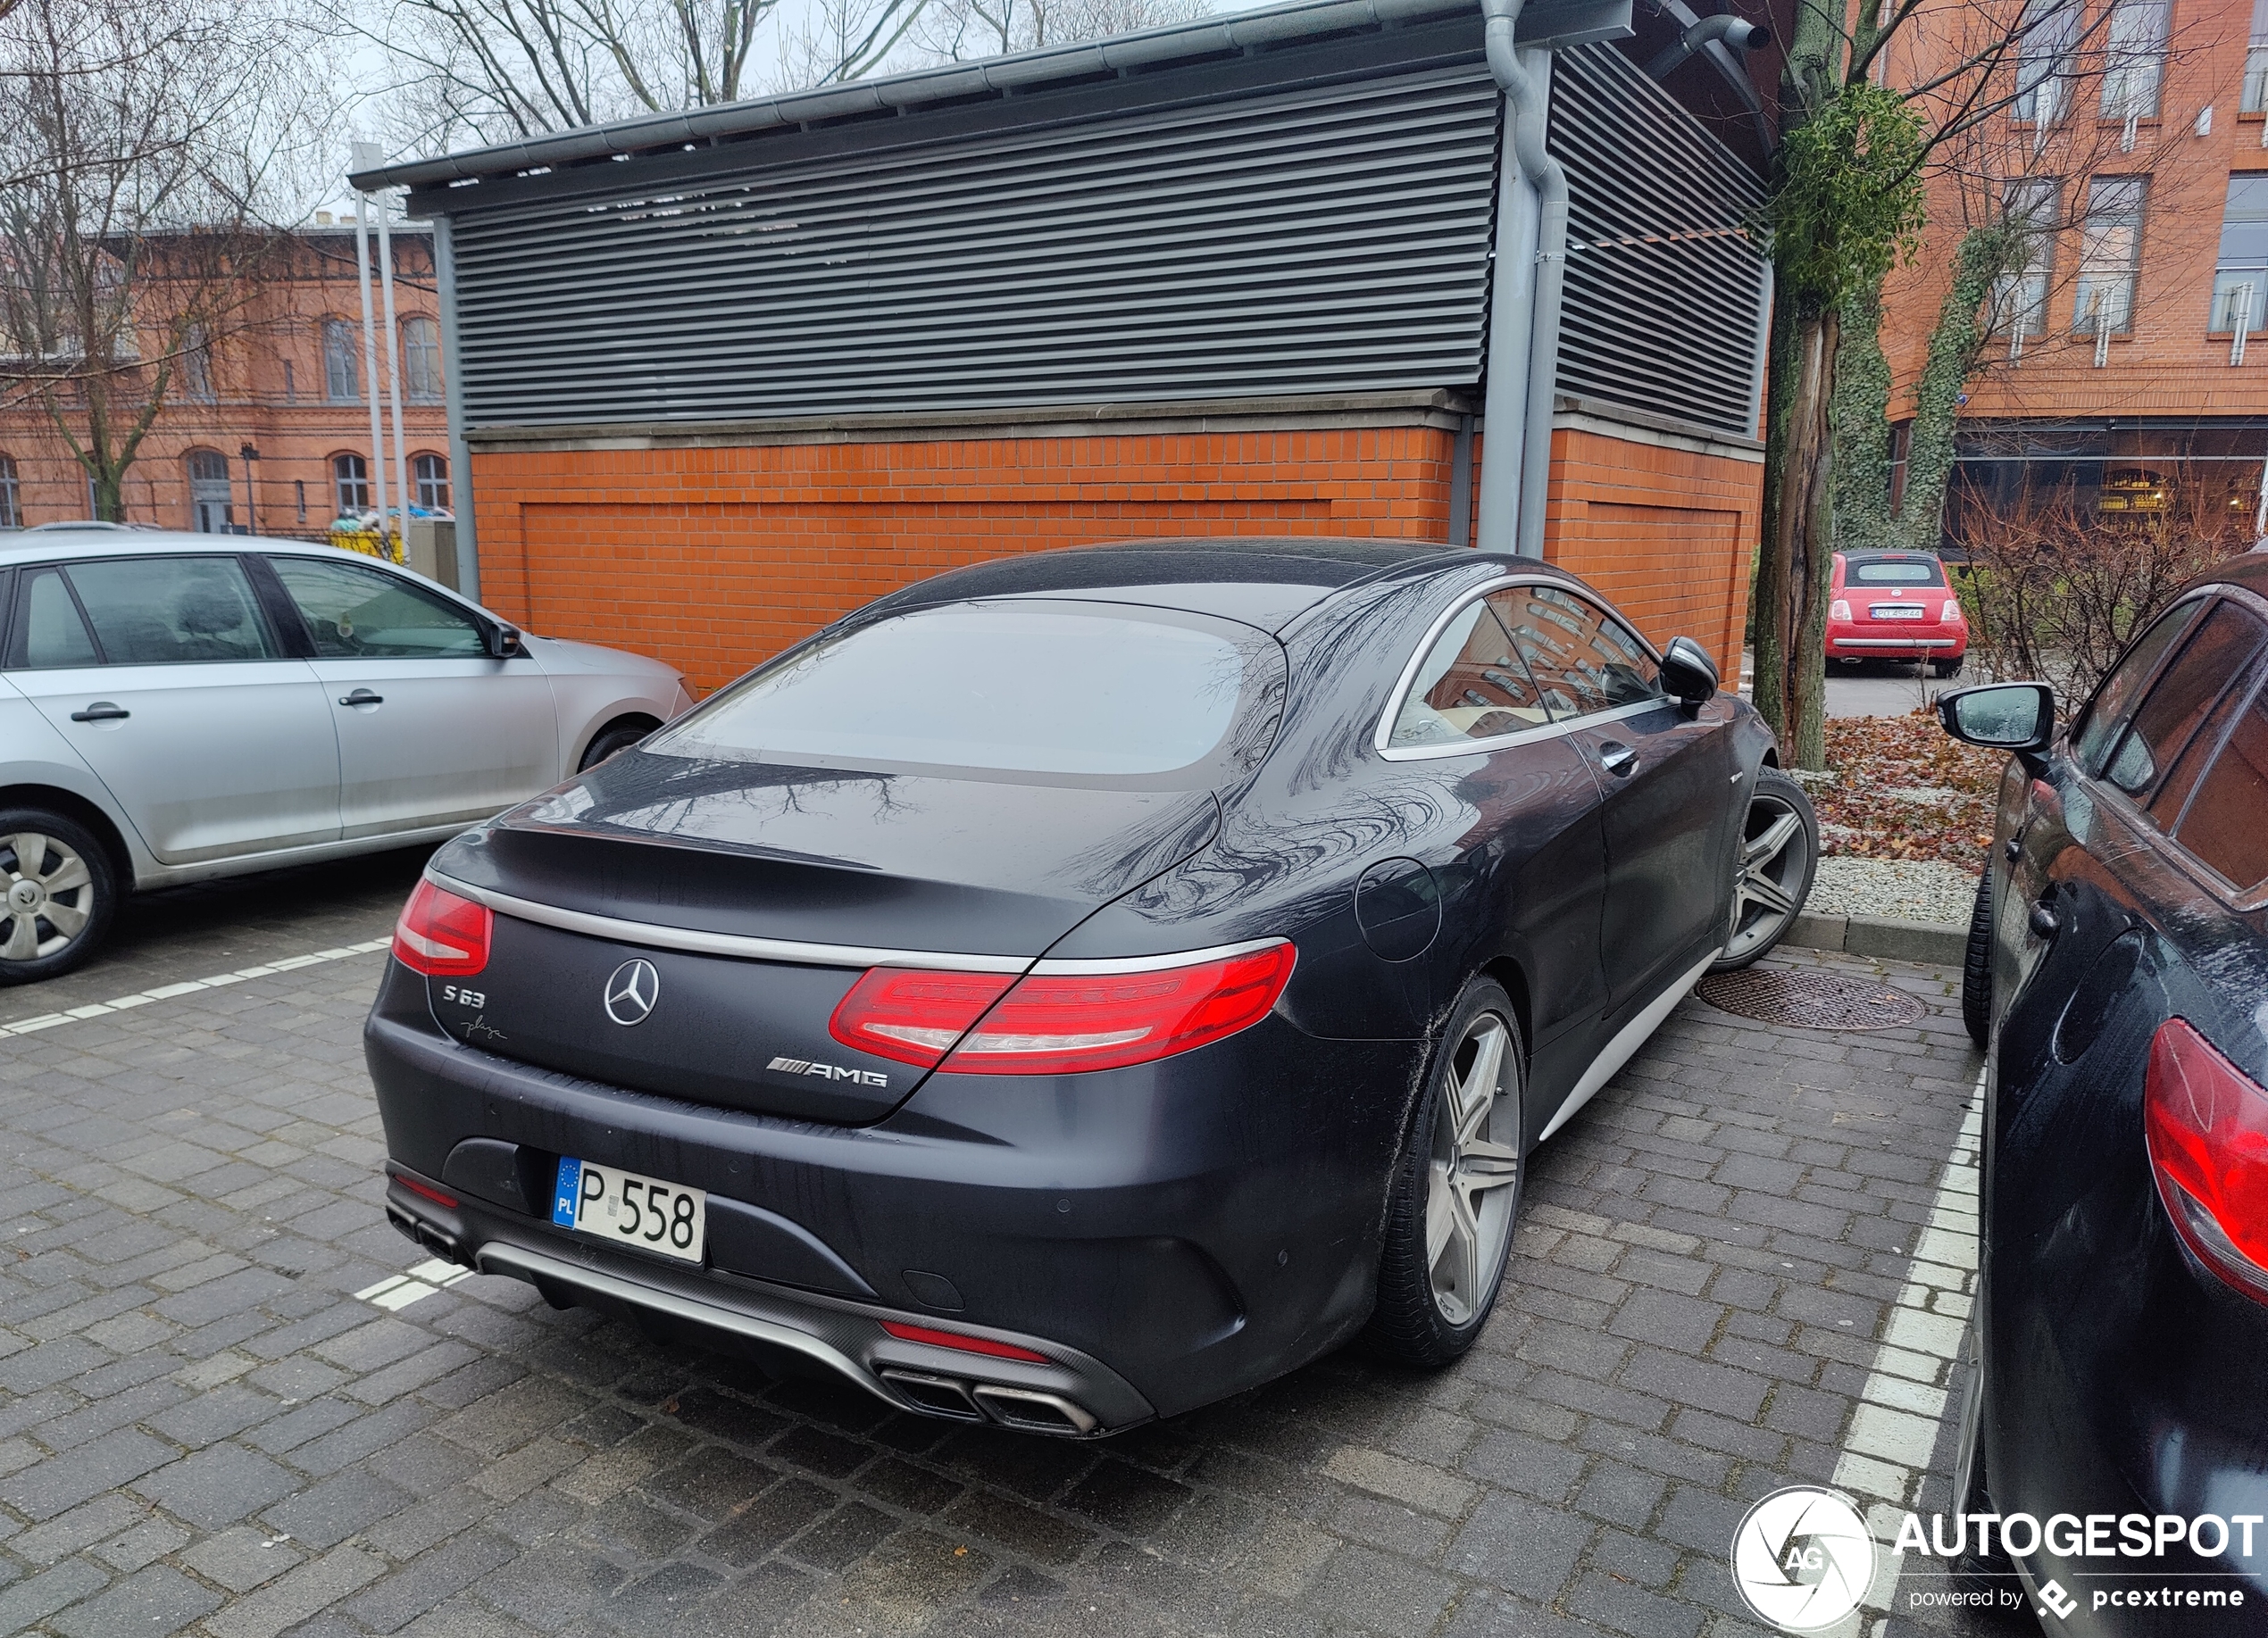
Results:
x,y
212,505
299,495
350,476
342,371
2134,60
291,386
2110,254
11,496
197,365
2255,95
422,360
432,475
2020,299
2240,274
2044,61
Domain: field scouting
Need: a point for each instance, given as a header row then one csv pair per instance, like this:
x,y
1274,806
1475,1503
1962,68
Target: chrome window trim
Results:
x,y
746,946
1381,741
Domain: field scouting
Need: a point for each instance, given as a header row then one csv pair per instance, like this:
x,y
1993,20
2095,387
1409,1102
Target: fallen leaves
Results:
x,y
1906,789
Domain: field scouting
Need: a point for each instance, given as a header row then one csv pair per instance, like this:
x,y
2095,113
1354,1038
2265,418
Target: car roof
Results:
x,y
1262,581
2249,571
48,541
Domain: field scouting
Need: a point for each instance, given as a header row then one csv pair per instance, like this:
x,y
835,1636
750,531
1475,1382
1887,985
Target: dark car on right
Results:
x,y
2118,979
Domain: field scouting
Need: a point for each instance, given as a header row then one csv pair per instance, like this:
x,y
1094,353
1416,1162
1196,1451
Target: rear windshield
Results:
x,y
1036,688
1898,571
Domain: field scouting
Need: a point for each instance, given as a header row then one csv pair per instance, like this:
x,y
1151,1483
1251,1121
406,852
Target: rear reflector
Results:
x,y
441,934
966,1345
2206,1124
1058,1024
433,1195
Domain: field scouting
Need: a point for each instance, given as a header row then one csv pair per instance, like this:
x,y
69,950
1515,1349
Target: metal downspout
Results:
x,y
444,280
1541,331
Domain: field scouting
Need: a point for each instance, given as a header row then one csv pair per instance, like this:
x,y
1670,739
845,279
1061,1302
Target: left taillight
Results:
x,y
442,935
2205,1122
1059,1023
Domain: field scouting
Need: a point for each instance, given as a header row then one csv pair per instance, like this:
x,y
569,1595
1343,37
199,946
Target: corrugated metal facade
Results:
x,y
1665,293
1330,239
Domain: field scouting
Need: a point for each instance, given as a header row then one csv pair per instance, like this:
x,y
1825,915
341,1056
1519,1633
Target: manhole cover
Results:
x,y
1810,1000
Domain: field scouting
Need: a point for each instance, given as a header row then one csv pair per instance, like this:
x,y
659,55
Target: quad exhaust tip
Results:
x,y
1027,1409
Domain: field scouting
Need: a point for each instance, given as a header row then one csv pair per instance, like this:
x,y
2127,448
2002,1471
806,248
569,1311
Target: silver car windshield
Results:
x,y
1031,687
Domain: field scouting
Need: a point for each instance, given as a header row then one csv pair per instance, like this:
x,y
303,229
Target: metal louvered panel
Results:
x,y
1666,291
1330,239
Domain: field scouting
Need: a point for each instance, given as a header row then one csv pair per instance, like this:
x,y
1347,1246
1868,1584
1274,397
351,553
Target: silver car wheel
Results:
x,y
1774,865
1472,1187
49,897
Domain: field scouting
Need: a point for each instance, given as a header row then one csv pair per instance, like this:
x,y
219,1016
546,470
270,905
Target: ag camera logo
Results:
x,y
1802,1558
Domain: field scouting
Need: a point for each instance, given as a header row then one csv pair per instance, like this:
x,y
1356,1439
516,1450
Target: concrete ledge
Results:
x,y
1935,942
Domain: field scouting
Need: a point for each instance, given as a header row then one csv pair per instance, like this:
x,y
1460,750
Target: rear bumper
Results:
x,y
1935,643
1165,1235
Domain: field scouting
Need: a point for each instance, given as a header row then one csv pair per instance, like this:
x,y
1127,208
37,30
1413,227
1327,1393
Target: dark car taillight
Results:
x,y
2206,1124
441,934
1058,1024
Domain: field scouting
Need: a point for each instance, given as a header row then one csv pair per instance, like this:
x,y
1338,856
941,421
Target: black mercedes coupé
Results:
x,y
1082,986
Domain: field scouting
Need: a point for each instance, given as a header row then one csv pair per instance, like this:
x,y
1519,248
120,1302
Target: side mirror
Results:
x,y
1687,672
2001,716
504,643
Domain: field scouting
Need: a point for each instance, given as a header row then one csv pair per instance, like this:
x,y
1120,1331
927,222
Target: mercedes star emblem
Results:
x,y
631,993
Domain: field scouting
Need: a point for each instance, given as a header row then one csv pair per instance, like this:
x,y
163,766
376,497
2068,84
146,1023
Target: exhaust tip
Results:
x,y
937,1396
1034,1412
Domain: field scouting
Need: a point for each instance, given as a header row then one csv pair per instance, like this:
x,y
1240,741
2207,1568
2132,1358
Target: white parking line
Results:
x,y
1886,1447
167,992
398,1291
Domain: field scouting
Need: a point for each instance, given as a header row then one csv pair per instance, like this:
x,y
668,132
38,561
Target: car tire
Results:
x,y
617,736
1455,1191
1773,868
1976,965
1945,667
56,912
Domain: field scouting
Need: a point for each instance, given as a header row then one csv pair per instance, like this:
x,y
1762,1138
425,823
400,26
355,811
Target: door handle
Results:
x,y
361,696
1617,758
102,711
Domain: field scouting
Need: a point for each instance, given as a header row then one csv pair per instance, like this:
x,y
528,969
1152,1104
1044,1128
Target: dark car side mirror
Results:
x,y
504,643
1687,672
2001,716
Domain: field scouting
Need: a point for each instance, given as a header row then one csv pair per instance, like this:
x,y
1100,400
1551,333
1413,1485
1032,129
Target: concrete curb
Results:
x,y
1933,941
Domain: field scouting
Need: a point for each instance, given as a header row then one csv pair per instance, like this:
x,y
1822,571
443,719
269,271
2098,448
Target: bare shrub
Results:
x,y
2059,585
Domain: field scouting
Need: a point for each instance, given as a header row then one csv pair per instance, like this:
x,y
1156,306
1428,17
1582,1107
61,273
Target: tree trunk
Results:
x,y
1792,576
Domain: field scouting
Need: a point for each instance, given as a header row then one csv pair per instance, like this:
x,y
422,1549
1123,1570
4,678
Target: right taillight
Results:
x,y
442,935
1059,1023
2206,1124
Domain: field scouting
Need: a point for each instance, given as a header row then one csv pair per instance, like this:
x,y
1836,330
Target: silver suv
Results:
x,y
177,707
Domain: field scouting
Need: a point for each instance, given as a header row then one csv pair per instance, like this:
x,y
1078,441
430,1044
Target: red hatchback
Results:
x,y
1895,605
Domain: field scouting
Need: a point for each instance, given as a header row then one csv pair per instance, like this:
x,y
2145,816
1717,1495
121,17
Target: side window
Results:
x,y
2106,712
2223,825
49,634
357,614
1582,659
1472,685
170,610
2216,653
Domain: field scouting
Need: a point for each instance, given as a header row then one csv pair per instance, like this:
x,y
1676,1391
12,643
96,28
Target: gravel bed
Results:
x,y
1908,890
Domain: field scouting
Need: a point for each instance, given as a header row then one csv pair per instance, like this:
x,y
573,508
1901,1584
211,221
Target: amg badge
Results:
x,y
827,1071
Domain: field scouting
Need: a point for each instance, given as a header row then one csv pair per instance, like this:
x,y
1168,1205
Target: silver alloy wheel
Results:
x,y
1773,864
49,897
1472,1185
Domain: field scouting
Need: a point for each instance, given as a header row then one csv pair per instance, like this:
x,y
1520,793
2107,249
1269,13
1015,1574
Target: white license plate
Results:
x,y
608,1203
1897,611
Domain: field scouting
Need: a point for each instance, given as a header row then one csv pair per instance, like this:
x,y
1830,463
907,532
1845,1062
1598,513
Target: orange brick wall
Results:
x,y
714,558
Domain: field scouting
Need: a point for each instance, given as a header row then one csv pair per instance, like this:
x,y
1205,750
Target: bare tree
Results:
x,y
956,30
148,149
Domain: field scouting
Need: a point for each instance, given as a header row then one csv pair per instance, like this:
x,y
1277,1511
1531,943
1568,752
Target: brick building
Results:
x,y
726,375
2126,359
287,381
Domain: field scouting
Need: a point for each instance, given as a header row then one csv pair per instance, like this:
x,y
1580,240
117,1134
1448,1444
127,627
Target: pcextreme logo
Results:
x,y
2072,1541
1802,1558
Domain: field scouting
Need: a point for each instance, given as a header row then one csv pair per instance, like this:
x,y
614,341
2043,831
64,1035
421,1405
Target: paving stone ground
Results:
x,y
203,1429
